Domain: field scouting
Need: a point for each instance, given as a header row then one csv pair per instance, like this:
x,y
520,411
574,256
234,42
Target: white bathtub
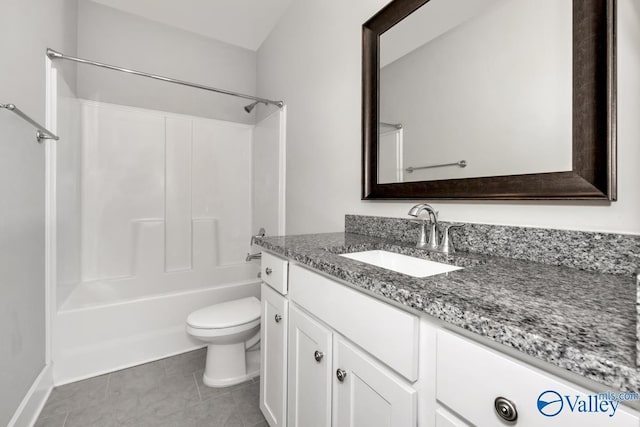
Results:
x,y
98,339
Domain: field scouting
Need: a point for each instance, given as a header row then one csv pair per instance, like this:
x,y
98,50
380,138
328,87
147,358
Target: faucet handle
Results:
x,y
261,233
446,245
432,241
422,240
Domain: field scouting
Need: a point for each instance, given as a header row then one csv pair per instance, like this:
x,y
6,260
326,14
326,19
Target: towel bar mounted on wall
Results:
x,y
391,125
461,164
42,132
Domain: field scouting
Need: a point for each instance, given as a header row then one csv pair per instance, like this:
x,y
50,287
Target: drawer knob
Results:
x,y
341,374
505,409
278,318
318,355
268,271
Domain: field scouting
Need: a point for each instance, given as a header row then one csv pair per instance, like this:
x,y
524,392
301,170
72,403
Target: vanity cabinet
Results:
x,y
331,382
341,365
335,356
445,418
470,376
309,373
365,393
274,272
273,357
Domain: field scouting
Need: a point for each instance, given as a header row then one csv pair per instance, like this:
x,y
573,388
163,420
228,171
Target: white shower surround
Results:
x,y
166,205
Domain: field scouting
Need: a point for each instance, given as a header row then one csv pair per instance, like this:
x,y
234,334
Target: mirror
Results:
x,y
489,99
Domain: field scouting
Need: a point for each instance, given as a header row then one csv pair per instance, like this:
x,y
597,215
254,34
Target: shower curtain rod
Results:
x,y
52,54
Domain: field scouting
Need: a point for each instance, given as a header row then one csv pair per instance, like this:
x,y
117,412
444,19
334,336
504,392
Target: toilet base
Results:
x,y
230,364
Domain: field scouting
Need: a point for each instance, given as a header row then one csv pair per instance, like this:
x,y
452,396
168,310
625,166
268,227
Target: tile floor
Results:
x,y
165,393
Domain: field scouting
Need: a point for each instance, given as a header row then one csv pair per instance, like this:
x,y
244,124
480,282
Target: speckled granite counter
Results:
x,y
581,321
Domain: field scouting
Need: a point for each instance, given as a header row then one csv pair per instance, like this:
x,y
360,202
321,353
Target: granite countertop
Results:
x,y
581,321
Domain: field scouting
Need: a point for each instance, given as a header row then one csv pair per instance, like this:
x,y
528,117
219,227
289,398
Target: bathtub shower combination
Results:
x,y
154,214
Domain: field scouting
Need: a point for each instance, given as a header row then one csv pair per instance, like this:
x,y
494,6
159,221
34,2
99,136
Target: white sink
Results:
x,y
404,264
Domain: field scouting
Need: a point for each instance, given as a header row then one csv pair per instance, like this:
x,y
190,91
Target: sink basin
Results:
x,y
404,264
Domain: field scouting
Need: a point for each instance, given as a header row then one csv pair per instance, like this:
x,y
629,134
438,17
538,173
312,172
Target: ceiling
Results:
x,y
244,23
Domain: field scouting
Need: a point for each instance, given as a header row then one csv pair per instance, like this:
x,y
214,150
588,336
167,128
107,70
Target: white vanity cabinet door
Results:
x,y
445,418
367,394
273,362
309,376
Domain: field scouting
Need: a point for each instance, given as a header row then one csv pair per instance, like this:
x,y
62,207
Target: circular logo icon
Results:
x,y
550,403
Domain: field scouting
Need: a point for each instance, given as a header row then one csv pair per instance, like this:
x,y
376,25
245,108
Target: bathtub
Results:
x,y
98,339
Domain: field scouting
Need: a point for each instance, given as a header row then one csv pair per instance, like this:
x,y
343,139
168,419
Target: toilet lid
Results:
x,y
226,314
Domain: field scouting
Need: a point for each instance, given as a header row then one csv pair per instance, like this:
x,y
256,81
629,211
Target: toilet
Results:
x,y
229,329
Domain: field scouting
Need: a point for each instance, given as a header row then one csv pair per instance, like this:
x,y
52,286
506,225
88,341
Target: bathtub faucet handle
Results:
x,y
261,234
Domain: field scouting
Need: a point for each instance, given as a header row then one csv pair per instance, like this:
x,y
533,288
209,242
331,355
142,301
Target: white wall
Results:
x,y
312,60
502,104
115,37
28,29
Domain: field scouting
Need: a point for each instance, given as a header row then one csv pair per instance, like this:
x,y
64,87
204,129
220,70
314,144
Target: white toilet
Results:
x,y
229,329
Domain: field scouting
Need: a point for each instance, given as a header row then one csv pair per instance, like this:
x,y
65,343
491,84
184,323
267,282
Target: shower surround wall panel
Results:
x,y
165,213
165,203
122,186
68,172
269,158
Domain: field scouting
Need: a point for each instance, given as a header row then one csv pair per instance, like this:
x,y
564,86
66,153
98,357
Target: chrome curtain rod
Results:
x,y
461,163
41,131
52,54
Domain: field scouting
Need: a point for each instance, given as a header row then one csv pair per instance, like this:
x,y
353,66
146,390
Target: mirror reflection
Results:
x,y
476,88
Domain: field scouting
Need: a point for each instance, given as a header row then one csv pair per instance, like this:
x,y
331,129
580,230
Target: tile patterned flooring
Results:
x,y
165,393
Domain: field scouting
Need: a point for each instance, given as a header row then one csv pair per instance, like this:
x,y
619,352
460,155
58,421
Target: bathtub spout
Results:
x,y
251,257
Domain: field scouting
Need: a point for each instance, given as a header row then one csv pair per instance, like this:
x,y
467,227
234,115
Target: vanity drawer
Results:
x,y
274,271
470,376
384,331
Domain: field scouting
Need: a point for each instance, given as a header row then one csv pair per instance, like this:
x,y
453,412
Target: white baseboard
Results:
x,y
27,413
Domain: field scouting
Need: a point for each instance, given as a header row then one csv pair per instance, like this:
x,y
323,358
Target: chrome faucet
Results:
x,y
250,256
444,245
433,219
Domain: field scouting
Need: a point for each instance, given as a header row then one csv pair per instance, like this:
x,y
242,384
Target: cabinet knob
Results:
x,y
268,271
505,409
318,355
278,318
341,374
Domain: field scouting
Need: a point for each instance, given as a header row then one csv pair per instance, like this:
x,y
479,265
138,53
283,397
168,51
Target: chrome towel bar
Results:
x,y
391,125
461,163
42,132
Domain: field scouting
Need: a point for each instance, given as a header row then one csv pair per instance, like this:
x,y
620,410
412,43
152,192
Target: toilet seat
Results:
x,y
230,314
220,332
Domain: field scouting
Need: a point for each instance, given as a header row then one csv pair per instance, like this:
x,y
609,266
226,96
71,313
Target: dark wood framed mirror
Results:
x,y
591,126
